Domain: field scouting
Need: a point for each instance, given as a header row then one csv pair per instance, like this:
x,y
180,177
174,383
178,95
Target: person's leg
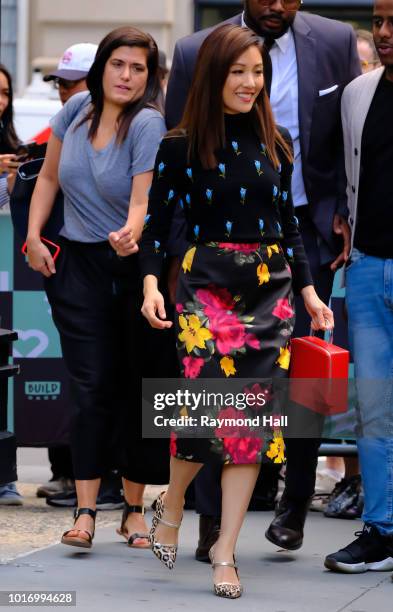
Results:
x,y
86,491
302,454
352,467
370,315
181,474
371,336
237,484
208,506
82,306
134,522
286,530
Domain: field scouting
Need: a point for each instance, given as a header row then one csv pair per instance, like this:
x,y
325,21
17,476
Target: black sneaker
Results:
x,y
346,500
64,499
110,501
368,552
105,501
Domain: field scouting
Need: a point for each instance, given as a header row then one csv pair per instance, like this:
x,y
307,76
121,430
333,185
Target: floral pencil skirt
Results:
x,y
234,318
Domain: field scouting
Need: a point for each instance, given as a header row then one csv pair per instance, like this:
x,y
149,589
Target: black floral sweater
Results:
x,y
243,200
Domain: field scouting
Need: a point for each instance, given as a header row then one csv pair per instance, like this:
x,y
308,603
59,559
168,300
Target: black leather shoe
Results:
x,y
286,530
209,530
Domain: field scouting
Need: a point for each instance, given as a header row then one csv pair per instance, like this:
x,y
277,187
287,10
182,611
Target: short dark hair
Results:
x,y
9,141
125,36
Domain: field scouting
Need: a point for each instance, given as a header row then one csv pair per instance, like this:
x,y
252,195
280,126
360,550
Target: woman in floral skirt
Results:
x,y
230,168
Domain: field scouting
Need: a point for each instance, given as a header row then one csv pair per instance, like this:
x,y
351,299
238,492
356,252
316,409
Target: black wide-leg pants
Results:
x,y
95,298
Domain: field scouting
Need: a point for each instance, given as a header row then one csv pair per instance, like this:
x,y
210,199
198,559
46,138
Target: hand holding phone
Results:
x,y
42,255
9,163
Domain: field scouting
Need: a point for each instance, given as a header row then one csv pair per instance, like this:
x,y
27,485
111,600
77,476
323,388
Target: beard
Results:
x,y
258,24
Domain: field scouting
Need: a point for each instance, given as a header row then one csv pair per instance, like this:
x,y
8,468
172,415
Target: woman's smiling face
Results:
x,y
244,82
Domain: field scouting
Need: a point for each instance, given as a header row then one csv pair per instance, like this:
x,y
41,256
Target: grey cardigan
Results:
x,y
355,104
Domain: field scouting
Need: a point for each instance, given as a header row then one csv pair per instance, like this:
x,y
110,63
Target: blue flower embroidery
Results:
x,y
290,253
278,227
258,167
275,191
209,195
228,226
161,167
235,147
171,195
261,224
279,168
243,193
263,148
284,196
181,204
189,173
188,199
196,232
221,168
157,246
146,221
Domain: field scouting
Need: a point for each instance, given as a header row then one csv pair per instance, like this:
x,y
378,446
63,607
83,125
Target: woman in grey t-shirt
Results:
x,y
101,154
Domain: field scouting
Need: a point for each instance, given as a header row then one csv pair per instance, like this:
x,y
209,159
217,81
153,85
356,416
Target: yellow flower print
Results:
x,y
183,412
228,366
276,450
193,334
263,273
273,248
284,358
188,259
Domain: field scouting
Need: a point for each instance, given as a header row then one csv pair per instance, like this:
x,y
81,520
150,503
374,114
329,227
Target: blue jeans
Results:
x,y
369,297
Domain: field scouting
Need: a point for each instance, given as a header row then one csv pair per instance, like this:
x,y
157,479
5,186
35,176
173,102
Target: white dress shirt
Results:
x,y
284,99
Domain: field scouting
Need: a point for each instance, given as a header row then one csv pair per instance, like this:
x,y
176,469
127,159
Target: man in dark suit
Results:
x,y
310,61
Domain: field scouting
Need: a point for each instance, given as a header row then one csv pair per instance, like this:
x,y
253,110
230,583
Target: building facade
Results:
x,y
35,32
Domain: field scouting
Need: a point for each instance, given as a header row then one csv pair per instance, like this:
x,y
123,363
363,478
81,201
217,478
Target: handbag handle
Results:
x,y
329,332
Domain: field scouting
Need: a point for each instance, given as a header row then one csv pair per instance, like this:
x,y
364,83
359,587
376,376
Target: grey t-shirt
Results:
x,y
97,184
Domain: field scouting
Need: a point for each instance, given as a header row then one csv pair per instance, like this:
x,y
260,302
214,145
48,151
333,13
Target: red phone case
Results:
x,y
55,246
319,375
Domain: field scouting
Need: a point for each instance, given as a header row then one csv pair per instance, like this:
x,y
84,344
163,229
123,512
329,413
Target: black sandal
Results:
x,y
134,536
75,540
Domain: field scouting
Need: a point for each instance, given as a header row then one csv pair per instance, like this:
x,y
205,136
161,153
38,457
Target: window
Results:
x,y
8,35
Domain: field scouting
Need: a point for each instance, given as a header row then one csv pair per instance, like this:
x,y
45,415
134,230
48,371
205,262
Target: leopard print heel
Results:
x,y
226,589
166,553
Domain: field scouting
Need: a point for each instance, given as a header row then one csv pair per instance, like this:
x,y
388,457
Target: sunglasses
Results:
x,y
290,5
65,83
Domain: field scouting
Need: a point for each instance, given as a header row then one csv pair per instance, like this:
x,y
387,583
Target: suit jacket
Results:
x,y
326,56
355,104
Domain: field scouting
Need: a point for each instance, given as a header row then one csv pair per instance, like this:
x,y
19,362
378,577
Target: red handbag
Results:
x,y
319,375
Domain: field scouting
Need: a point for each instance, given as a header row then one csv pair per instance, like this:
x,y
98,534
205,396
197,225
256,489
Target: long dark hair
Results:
x,y
9,141
126,36
203,117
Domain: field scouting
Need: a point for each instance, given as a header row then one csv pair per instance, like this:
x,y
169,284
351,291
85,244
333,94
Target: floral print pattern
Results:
x,y
222,332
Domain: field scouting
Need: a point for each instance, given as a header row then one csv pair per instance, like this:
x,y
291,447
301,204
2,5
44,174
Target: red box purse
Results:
x,y
319,375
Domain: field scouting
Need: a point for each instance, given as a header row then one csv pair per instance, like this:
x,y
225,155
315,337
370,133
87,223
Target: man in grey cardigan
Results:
x,y
367,105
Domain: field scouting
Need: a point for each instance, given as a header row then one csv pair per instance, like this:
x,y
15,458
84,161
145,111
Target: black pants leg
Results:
x,y
60,462
93,296
302,453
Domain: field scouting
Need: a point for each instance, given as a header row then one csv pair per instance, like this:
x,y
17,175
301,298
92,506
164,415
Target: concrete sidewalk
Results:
x,y
115,577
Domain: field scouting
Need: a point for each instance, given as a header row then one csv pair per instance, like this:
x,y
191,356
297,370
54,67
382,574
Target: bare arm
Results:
x,y
41,206
124,241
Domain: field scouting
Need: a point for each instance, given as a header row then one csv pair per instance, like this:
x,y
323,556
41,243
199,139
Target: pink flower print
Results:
x,y
283,310
192,366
